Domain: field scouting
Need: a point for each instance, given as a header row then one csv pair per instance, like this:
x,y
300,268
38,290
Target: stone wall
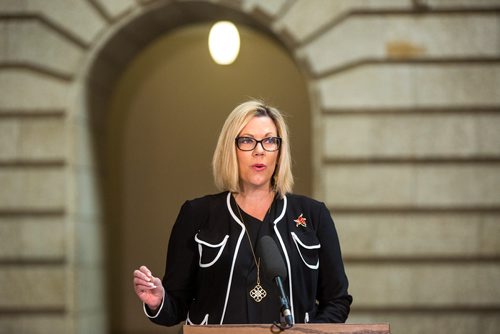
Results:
x,y
406,145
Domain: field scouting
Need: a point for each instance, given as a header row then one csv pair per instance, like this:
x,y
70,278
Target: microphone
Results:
x,y
274,267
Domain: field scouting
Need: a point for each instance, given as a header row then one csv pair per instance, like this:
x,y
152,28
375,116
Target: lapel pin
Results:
x,y
300,221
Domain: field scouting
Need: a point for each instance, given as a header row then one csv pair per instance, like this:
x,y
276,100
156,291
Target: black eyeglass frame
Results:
x,y
279,140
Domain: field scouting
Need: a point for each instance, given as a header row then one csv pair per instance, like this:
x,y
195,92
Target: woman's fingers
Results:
x,y
146,271
139,282
144,279
142,275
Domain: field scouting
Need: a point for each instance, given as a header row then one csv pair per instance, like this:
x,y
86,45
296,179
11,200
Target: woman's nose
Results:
x,y
259,149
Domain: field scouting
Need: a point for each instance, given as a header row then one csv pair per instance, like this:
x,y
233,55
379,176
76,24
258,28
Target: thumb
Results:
x,y
156,281
158,290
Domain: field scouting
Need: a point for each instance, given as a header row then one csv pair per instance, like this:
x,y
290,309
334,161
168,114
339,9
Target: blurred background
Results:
x,y
110,112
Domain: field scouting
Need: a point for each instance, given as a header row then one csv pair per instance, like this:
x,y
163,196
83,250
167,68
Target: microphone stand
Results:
x,y
285,308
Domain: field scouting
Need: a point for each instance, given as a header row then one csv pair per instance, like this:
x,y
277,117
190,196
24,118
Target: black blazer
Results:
x,y
203,277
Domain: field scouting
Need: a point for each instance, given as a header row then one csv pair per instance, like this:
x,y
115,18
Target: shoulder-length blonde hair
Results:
x,y
225,162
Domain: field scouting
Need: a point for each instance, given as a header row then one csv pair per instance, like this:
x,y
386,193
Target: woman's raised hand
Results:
x,y
148,288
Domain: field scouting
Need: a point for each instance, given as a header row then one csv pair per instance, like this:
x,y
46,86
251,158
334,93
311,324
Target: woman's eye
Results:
x,y
270,140
246,140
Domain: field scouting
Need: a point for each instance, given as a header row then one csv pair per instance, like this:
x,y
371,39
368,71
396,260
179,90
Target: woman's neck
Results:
x,y
255,203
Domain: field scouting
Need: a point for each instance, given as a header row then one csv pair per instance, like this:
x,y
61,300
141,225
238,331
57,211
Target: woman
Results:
x,y
214,274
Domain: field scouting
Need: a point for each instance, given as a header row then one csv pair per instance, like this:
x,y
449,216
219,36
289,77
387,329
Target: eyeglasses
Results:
x,y
269,144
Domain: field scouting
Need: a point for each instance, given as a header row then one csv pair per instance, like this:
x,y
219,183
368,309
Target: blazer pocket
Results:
x,y
308,250
209,252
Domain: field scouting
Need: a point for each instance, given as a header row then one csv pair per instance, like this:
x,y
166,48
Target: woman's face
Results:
x,y
256,167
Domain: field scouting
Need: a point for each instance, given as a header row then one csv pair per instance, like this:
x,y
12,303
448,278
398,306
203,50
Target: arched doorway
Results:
x,y
155,124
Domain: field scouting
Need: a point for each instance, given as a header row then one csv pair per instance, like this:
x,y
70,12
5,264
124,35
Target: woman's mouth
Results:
x,y
259,167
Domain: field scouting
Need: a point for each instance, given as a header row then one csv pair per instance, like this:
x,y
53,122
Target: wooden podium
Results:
x,y
296,329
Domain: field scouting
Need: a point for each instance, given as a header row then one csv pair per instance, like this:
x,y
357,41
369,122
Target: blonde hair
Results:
x,y
225,162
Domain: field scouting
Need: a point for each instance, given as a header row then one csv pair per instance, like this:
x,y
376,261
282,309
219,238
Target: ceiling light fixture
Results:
x,y
224,42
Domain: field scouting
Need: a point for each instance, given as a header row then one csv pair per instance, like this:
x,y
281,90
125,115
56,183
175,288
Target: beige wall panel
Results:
x,y
402,37
429,185
421,235
32,138
34,286
85,205
9,135
23,90
76,17
297,21
405,86
93,322
465,85
32,238
116,8
3,40
80,145
90,281
34,324
42,139
90,244
361,185
13,6
34,43
466,185
449,4
270,7
489,235
32,188
412,135
424,284
488,137
432,322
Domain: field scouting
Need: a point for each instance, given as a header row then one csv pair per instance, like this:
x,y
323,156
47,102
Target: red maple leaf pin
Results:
x,y
300,221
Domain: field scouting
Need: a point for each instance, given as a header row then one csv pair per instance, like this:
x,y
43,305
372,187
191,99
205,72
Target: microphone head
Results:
x,y
272,261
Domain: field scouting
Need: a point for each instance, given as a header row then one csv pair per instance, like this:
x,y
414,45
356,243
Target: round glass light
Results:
x,y
224,42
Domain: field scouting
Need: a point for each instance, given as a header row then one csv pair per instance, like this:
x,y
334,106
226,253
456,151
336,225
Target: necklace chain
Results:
x,y
257,293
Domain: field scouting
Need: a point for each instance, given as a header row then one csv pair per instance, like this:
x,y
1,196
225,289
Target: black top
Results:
x,y
268,309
